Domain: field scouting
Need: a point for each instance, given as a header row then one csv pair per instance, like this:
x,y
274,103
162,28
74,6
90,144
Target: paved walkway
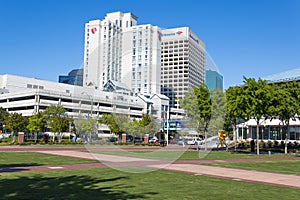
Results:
x,y
287,180
193,167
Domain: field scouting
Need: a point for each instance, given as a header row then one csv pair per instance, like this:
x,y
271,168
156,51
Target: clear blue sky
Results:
x,y
252,38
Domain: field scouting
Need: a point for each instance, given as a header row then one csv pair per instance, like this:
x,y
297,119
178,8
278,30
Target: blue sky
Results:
x,y
252,38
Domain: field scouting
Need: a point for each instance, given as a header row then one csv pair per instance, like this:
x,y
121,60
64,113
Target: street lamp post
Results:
x,y
91,114
91,99
165,123
167,110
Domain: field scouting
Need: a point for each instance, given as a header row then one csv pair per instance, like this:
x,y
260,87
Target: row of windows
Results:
x,y
31,86
174,63
170,51
174,78
175,42
175,46
170,69
175,59
180,55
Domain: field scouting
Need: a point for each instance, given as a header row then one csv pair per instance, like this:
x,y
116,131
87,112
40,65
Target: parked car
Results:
x,y
138,140
198,141
4,135
153,140
181,141
190,141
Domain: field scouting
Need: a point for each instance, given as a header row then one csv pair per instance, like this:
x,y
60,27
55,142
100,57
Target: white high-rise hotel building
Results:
x,y
118,49
147,59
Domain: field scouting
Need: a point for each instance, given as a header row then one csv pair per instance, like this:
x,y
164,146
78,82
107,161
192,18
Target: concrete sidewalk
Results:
x,y
287,180
278,179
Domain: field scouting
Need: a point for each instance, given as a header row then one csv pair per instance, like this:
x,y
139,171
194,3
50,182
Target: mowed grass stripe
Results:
x,y
15,159
108,183
282,166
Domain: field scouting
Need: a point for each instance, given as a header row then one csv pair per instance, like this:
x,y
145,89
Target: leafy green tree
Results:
x,y
148,125
235,102
54,111
15,122
218,111
285,104
3,115
114,122
258,99
86,127
197,105
60,125
119,124
56,120
132,127
37,123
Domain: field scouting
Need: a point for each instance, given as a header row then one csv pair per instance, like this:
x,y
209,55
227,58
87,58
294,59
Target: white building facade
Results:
x,y
118,49
147,59
30,96
182,63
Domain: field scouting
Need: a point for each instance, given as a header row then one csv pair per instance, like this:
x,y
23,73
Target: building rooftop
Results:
x,y
290,75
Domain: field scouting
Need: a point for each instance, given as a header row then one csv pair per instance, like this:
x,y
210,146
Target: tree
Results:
x,y
54,111
86,126
119,124
235,102
285,104
36,124
59,125
3,115
197,105
258,98
114,122
15,122
56,119
148,124
218,111
132,127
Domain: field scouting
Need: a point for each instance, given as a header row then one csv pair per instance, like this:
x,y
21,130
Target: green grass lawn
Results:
x,y
13,159
287,167
186,155
111,184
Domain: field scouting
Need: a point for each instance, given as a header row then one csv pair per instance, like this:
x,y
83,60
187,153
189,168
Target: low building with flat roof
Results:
x,y
30,96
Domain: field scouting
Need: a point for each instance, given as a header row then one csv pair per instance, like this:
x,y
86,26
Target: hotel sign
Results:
x,y
171,34
193,38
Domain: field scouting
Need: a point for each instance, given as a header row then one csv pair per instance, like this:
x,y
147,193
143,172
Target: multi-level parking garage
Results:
x,y
29,96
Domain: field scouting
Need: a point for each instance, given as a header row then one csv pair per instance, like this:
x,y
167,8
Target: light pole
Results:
x,y
167,110
166,120
91,99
